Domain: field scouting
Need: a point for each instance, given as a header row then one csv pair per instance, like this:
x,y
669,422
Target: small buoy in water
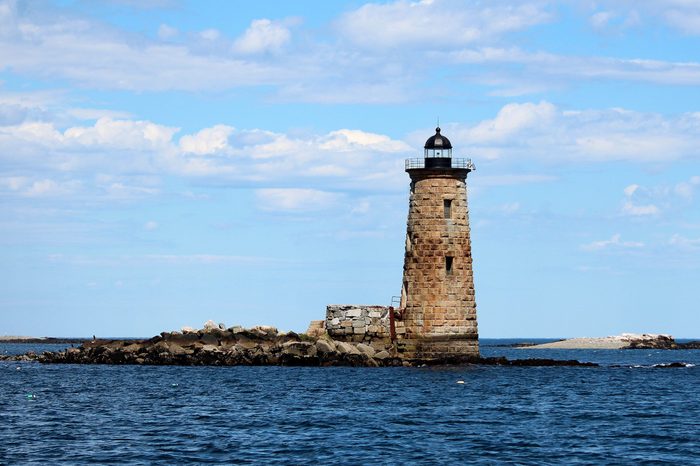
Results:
x,y
31,396
18,368
460,381
175,385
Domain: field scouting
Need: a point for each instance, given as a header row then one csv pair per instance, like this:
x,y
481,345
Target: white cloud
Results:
x,y
259,155
262,36
680,14
121,191
166,32
541,71
631,205
688,23
454,33
686,189
601,19
613,242
92,55
682,242
508,179
295,199
630,208
509,208
124,134
650,201
346,140
361,207
631,189
510,121
97,113
210,34
207,141
544,131
39,188
439,23
343,158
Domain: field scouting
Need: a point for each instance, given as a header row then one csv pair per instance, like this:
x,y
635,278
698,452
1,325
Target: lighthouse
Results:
x,y
438,308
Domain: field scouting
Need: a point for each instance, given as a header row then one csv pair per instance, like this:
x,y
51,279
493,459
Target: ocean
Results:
x,y
625,412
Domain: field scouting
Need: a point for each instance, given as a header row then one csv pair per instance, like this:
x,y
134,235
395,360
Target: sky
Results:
x,y
166,162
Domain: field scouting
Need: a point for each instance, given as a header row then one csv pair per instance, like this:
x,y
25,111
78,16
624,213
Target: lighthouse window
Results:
x,y
448,265
448,208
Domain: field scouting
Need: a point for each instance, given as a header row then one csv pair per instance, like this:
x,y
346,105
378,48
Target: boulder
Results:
x,y
369,362
264,331
299,348
174,348
210,325
187,329
159,347
382,355
366,349
325,346
346,348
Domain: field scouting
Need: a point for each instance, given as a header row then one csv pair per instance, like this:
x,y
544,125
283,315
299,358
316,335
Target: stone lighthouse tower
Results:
x,y
437,296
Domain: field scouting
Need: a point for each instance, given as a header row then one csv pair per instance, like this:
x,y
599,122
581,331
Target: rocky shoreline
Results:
x,y
257,346
216,345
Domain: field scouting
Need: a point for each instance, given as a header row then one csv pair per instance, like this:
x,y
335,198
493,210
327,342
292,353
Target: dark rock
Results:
x,y
659,342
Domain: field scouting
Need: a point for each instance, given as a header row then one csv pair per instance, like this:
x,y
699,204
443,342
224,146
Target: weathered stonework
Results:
x,y
439,310
358,323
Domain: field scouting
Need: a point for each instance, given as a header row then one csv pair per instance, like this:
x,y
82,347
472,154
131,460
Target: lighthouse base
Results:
x,y
439,346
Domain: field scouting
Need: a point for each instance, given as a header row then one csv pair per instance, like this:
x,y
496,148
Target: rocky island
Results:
x,y
217,345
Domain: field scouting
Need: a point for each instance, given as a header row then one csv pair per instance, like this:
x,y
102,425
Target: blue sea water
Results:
x,y
629,414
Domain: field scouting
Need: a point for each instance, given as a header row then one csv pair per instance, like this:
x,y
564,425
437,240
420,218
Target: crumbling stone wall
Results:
x,y
358,323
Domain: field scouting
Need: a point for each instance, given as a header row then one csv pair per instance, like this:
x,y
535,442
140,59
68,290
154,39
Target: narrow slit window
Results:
x,y
448,264
448,208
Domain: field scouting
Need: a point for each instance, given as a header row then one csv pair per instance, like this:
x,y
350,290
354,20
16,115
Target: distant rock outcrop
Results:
x,y
623,341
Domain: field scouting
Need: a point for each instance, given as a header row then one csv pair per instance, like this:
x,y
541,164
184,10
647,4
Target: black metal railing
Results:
x,y
456,163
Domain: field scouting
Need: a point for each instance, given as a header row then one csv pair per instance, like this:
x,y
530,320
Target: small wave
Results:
x,y
673,364
663,365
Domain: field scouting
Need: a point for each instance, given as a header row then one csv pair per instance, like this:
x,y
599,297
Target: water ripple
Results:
x,y
283,415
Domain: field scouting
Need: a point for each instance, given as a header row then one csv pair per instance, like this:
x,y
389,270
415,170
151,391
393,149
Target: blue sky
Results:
x,y
167,162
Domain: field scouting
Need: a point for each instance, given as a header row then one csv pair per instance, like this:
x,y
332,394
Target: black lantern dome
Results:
x,y
438,151
438,141
438,156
